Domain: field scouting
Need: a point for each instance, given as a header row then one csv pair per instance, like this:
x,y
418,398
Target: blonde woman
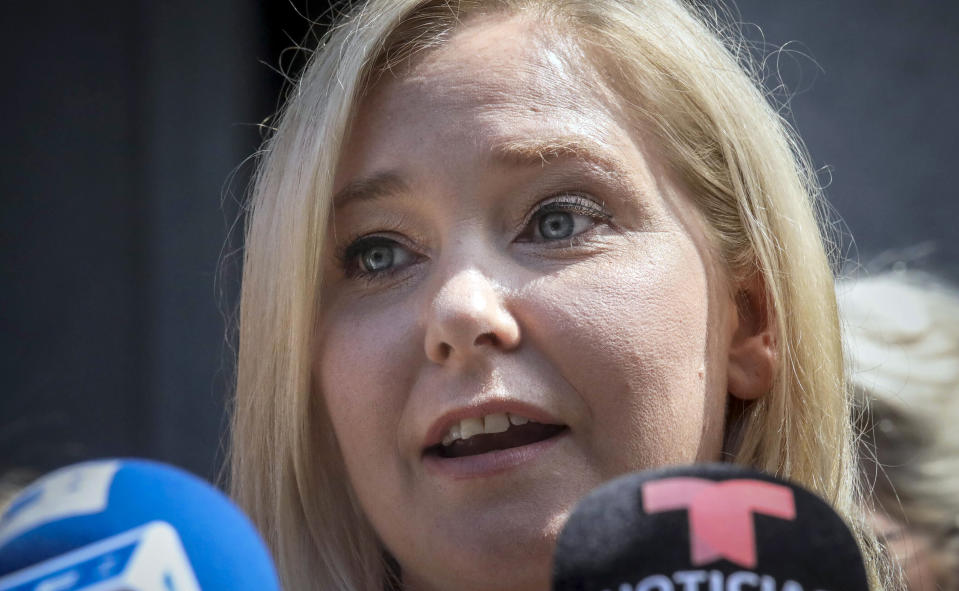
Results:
x,y
500,252
902,341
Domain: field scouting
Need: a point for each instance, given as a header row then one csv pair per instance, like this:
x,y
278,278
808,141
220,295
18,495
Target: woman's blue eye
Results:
x,y
556,225
377,258
375,255
565,218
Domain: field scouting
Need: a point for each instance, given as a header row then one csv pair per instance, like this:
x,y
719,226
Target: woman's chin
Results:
x,y
513,551
515,566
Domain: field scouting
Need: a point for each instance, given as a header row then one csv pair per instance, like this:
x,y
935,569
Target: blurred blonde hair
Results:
x,y
687,80
902,339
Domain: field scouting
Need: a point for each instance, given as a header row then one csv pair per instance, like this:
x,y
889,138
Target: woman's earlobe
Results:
x,y
753,352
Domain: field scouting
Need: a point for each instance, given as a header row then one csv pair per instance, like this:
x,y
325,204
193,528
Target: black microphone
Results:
x,y
714,527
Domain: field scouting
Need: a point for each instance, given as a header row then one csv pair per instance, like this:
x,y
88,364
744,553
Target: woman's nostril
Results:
x,y
445,350
487,338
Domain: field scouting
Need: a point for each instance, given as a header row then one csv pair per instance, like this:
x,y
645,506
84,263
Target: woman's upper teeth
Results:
x,y
493,423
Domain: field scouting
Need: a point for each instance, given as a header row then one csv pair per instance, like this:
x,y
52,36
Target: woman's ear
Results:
x,y
753,353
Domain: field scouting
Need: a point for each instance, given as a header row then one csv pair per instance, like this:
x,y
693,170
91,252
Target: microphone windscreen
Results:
x,y
714,527
126,506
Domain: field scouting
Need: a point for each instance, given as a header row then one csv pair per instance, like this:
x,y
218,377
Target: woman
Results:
x,y
500,252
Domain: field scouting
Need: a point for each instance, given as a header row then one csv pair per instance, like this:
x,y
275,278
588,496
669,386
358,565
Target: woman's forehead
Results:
x,y
498,63
498,87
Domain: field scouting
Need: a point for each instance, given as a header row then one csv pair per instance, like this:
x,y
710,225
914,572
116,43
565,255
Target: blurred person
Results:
x,y
902,346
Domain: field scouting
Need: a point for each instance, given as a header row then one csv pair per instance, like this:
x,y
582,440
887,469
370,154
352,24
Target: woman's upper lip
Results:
x,y
440,426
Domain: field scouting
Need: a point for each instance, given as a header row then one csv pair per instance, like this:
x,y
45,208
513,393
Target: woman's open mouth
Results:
x,y
493,432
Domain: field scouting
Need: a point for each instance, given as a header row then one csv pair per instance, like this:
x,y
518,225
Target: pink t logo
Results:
x,y
720,513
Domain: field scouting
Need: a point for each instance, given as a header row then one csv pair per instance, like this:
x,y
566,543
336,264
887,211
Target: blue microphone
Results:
x,y
130,525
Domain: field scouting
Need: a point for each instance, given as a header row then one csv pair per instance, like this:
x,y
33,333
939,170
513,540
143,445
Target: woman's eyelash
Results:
x,y
573,204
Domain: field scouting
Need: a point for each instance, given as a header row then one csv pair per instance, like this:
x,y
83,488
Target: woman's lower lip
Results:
x,y
490,463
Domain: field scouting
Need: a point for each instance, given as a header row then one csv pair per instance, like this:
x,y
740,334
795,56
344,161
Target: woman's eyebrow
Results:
x,y
520,152
377,186
526,152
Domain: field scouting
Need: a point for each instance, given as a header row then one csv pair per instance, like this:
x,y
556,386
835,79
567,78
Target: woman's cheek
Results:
x,y
363,366
628,332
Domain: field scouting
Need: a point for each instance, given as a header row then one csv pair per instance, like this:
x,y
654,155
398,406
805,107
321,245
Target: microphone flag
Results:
x,y
713,527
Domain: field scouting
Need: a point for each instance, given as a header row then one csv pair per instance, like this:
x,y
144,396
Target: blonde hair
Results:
x,y
745,169
902,341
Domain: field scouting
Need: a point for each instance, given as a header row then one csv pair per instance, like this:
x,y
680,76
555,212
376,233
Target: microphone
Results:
x,y
714,527
129,525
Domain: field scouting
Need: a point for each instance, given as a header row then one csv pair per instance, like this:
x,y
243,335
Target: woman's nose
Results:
x,y
467,316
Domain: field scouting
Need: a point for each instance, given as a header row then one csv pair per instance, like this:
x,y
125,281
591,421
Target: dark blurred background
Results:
x,y
128,125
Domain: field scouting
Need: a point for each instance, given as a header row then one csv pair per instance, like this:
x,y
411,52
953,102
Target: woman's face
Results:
x,y
508,256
